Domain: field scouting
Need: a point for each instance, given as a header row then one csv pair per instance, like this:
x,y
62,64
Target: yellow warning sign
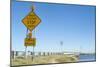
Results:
x,y
31,21
30,42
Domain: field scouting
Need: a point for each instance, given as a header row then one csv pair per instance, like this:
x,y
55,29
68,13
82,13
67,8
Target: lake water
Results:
x,y
87,57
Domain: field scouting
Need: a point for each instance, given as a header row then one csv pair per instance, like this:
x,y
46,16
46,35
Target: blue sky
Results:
x,y
72,24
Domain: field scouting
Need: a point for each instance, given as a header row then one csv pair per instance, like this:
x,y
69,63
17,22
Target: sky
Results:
x,y
74,25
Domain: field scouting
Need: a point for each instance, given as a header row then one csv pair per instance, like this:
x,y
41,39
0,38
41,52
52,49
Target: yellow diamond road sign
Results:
x,y
31,21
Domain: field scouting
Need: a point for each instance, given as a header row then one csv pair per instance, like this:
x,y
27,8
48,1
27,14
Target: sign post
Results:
x,y
25,51
33,53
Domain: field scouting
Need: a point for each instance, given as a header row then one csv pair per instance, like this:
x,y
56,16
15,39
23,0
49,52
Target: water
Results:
x,y
87,57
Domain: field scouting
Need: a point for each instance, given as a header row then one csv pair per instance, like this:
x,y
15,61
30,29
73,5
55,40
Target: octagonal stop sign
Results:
x,y
31,21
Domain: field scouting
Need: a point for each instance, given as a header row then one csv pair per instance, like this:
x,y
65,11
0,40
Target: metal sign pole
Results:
x,y
26,46
25,52
61,43
33,54
33,48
